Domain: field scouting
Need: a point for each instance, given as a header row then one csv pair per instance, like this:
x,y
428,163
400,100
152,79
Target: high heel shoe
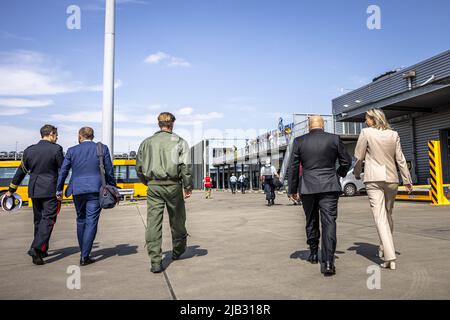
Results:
x,y
388,265
380,253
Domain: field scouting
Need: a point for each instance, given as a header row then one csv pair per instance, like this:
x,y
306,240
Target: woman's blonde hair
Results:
x,y
379,119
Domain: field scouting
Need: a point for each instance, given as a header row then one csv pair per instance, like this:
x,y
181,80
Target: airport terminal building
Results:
x,y
416,101
275,145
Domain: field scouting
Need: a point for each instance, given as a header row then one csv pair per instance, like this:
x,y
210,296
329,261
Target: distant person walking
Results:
x,y
233,182
267,176
42,162
242,182
207,182
84,185
379,146
163,165
317,152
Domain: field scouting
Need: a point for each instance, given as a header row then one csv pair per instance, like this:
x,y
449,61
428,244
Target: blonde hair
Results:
x,y
379,119
166,120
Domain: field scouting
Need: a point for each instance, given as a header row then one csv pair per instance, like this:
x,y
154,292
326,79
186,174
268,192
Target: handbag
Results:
x,y
276,181
109,195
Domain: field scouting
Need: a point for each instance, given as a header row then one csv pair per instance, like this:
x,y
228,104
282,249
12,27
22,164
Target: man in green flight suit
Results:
x,y
163,165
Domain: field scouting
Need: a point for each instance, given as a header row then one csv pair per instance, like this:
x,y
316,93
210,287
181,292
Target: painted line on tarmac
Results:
x,y
142,218
166,277
172,293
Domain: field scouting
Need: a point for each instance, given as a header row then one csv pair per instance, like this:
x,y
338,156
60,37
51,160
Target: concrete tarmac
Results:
x,y
238,249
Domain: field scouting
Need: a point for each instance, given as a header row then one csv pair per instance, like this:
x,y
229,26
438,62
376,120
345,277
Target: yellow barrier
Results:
x,y
437,186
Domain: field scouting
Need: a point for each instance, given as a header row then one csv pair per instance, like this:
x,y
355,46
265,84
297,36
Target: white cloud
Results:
x,y
24,137
17,81
24,103
94,117
81,117
185,111
12,112
178,62
171,61
99,87
8,35
196,118
156,57
99,5
29,73
135,132
154,107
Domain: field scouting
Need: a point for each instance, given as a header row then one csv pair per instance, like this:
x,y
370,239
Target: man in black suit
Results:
x,y
42,161
320,188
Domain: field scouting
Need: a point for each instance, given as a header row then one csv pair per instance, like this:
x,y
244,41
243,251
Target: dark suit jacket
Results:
x,y
83,161
318,152
42,161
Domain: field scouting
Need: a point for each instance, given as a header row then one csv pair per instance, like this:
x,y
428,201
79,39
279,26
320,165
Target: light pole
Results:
x,y
108,77
204,160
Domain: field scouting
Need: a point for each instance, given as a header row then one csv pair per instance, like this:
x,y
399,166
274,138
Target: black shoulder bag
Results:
x,y
109,195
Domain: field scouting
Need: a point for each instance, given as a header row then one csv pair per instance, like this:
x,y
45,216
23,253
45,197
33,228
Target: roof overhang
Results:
x,y
422,99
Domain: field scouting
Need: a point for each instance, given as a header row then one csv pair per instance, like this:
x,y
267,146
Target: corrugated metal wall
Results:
x,y
427,128
196,155
405,132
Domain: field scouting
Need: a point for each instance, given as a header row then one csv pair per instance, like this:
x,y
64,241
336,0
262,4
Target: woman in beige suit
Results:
x,y
379,146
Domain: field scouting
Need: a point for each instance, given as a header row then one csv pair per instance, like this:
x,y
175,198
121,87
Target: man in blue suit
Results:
x,y
84,185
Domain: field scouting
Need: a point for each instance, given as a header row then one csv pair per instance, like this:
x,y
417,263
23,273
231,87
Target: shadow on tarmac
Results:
x,y
368,250
191,252
304,254
102,254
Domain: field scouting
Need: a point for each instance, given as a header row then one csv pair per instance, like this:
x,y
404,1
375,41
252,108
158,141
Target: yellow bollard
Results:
x,y
438,197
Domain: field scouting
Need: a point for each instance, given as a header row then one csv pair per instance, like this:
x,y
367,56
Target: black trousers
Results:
x,y
326,205
45,211
269,188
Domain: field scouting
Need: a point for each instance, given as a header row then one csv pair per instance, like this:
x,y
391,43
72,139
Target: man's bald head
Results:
x,y
316,122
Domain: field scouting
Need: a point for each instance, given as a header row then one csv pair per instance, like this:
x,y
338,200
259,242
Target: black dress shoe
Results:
x,y
36,256
330,269
37,260
157,268
313,258
86,261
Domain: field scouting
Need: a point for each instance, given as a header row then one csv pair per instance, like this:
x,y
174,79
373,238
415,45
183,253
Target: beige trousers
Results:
x,y
382,197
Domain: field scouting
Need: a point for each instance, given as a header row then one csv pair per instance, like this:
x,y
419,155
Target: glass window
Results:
x,y
132,175
120,173
6,175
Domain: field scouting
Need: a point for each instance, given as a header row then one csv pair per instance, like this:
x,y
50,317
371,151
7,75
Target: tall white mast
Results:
x,y
108,77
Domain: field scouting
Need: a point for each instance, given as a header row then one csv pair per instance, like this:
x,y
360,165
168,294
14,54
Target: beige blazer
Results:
x,y
381,151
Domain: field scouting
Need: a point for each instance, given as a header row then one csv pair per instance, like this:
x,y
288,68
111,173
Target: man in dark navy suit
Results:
x,y
318,152
84,185
42,162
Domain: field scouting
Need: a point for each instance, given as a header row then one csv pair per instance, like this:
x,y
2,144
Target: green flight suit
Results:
x,y
162,163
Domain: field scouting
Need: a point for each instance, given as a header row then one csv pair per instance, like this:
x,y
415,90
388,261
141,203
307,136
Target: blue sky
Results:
x,y
228,67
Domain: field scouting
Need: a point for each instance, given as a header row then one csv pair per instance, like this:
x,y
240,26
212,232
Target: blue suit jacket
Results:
x,y
83,161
